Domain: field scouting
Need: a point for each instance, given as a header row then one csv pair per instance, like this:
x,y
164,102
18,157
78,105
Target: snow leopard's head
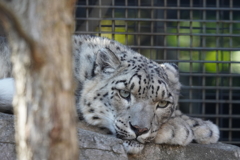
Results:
x,y
128,93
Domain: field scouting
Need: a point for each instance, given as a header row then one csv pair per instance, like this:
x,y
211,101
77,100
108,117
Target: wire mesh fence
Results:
x,y
201,36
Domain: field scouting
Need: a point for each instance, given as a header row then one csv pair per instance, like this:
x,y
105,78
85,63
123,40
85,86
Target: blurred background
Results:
x,y
201,36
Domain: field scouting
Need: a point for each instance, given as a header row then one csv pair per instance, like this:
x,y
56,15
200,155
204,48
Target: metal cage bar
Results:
x,y
202,37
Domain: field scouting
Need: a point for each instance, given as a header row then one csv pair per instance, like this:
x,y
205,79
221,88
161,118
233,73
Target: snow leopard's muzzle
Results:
x,y
141,122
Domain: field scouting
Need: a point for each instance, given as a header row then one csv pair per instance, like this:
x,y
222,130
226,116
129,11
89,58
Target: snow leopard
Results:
x,y
134,97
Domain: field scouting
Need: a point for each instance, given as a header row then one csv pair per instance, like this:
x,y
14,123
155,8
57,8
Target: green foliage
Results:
x,y
214,59
122,38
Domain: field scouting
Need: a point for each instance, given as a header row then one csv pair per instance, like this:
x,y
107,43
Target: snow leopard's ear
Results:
x,y
172,73
107,62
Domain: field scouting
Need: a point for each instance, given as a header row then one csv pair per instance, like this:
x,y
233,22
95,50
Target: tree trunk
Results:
x,y
40,39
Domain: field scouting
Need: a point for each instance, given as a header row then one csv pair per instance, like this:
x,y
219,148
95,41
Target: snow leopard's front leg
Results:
x,y
181,130
175,131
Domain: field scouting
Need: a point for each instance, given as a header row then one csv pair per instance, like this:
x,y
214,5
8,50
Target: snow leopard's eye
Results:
x,y
124,94
162,104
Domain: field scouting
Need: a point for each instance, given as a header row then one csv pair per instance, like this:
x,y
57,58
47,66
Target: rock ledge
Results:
x,y
94,146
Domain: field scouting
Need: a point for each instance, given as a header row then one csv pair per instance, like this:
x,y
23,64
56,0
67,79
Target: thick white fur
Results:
x,y
168,128
102,68
133,147
175,131
201,133
184,130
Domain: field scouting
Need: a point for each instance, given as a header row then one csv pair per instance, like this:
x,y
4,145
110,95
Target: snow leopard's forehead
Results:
x,y
137,71
135,62
144,78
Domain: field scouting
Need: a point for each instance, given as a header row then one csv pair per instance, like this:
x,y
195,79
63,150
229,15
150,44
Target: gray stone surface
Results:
x,y
193,151
7,144
7,151
95,146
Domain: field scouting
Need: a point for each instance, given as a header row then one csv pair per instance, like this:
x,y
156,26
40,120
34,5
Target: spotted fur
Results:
x,y
130,95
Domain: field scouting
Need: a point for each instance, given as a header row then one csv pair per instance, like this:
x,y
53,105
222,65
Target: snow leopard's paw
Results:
x,y
175,131
206,132
133,147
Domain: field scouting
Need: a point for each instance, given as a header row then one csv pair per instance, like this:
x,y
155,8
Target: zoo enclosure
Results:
x,y
201,36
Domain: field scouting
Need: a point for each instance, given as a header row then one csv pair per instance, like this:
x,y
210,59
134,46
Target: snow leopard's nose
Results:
x,y
138,130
